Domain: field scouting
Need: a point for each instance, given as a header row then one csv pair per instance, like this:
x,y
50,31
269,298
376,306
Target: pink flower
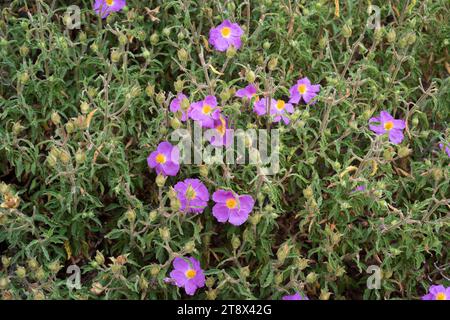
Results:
x,y
188,274
303,89
279,109
165,159
437,293
175,105
193,195
387,124
205,111
221,135
248,92
231,207
445,147
225,35
105,7
296,296
262,105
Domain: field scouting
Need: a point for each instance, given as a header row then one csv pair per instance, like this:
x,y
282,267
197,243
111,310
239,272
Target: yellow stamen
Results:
x,y
206,109
191,273
280,104
226,32
160,158
109,2
388,125
441,296
190,193
221,128
302,88
231,203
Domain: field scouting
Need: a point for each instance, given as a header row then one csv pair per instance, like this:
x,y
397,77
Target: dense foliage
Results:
x,y
82,109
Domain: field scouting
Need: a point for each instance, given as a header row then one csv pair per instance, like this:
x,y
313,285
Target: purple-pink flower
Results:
x,y
445,147
188,274
261,105
221,135
438,292
231,207
205,111
225,35
303,89
175,105
165,159
387,124
296,296
105,7
279,109
193,195
247,92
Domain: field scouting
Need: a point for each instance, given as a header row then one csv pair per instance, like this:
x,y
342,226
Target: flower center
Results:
x,y
160,158
231,203
226,32
221,127
190,273
109,2
190,193
280,104
441,296
206,109
302,88
388,125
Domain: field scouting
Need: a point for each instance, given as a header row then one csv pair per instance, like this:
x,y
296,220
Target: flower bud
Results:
x,y
160,180
175,123
150,90
154,270
231,52
272,65
404,152
39,274
225,95
143,283
189,247
164,233
70,127
97,288
411,38
235,242
180,35
437,174
211,294
183,55
153,215
4,282
99,258
64,156
283,252
160,97
130,215
21,272
209,282
311,277
308,192
323,42
266,45
38,295
6,261
391,36
203,170
123,40
115,56
302,263
250,76
179,84
154,39
24,51
84,107
255,218
347,31
185,104
56,118
24,77
17,128
278,279
324,294
32,264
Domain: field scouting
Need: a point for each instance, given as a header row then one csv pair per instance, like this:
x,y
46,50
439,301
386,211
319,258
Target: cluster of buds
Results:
x,y
10,200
